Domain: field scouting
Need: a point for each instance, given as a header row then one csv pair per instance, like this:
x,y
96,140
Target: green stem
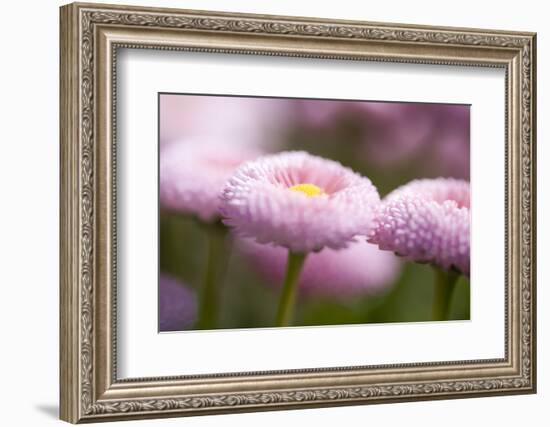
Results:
x,y
444,285
290,285
216,266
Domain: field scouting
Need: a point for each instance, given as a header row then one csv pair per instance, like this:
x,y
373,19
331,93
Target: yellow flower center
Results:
x,y
309,190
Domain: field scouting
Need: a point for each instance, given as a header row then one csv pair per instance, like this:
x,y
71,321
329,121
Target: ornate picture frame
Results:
x,y
90,37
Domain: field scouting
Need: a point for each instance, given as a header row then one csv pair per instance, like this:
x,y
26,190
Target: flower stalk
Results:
x,y
287,300
216,267
444,285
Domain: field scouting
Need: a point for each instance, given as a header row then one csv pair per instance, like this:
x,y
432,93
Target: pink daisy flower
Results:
x,y
177,305
427,220
192,176
299,201
361,268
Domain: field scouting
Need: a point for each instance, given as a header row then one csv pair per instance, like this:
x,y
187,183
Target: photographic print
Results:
x,y
278,212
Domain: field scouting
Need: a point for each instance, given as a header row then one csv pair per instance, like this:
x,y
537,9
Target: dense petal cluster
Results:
x,y
177,305
427,221
299,201
192,176
361,268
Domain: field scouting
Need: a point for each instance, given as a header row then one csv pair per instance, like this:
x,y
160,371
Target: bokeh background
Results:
x,y
389,142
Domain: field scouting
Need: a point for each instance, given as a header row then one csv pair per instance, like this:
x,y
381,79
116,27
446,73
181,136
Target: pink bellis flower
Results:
x,y
428,221
192,176
300,202
359,269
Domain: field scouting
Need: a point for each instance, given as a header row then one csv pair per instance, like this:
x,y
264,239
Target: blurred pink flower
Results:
x,y
451,141
321,113
177,305
427,221
192,176
394,133
391,131
359,268
299,201
236,121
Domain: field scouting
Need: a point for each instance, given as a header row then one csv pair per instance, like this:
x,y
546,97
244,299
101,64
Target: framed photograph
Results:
x,y
266,212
